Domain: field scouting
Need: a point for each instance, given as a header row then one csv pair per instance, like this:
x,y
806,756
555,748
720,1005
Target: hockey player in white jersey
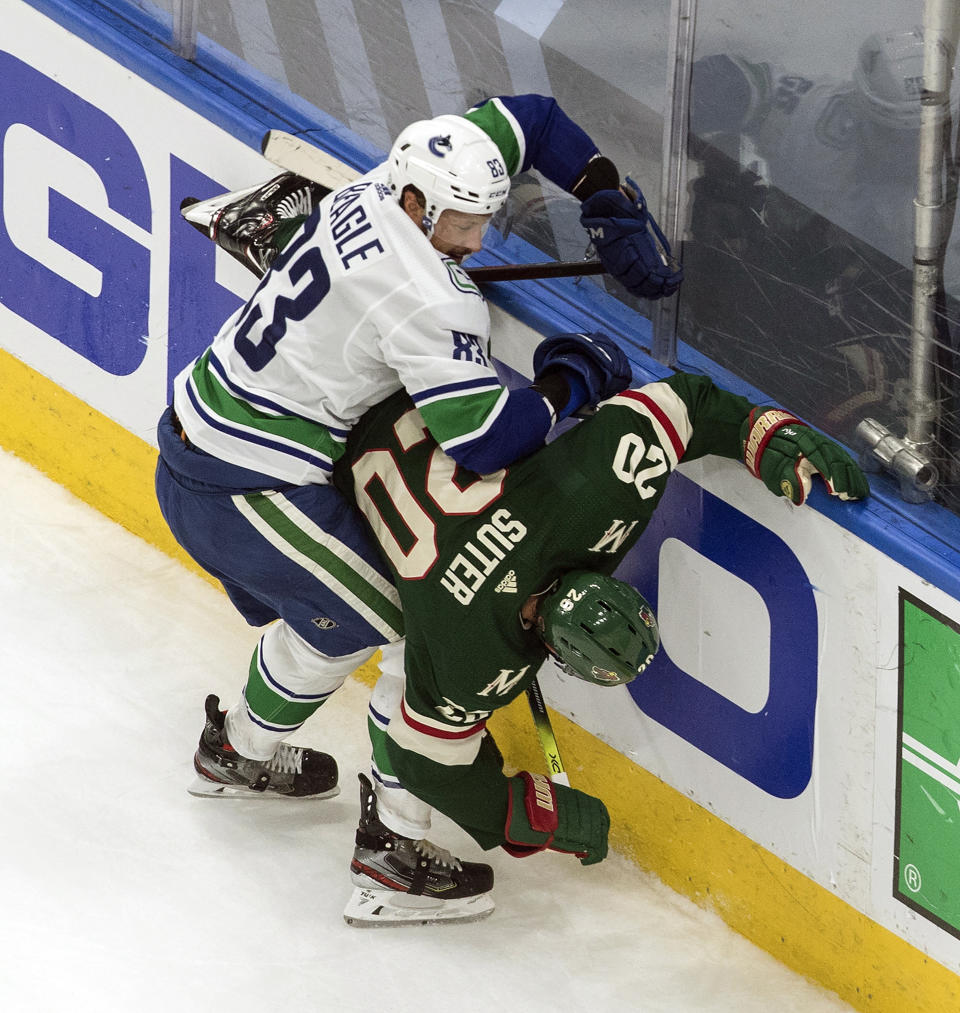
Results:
x,y
366,297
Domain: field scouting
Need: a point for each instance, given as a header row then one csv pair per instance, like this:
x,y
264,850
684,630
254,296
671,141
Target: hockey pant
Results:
x,y
298,554
303,556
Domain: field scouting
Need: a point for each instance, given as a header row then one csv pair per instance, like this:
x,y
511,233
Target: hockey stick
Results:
x,y
296,154
527,272
548,741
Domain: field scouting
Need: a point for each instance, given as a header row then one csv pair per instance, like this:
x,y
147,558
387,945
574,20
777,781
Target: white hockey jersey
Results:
x,y
355,307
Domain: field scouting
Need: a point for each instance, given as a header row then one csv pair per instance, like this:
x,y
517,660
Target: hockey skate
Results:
x,y
246,223
399,881
293,772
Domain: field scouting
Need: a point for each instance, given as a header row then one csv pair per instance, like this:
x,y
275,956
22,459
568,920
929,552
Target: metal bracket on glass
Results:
x,y
906,461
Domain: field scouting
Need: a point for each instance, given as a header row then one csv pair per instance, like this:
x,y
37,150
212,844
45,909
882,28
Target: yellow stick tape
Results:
x,y
802,924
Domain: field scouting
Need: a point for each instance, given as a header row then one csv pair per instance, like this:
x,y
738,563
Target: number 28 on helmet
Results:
x,y
598,628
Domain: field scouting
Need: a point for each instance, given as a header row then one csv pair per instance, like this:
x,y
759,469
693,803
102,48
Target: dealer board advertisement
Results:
x,y
807,685
916,887
102,287
927,828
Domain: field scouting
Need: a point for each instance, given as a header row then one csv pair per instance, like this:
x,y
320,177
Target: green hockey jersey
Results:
x,y
468,550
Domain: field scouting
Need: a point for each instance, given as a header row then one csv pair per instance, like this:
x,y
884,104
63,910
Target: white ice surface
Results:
x,y
120,892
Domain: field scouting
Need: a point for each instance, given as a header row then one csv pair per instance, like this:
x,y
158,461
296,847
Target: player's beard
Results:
x,y
457,253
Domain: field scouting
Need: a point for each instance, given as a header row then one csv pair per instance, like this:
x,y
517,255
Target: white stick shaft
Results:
x,y
298,155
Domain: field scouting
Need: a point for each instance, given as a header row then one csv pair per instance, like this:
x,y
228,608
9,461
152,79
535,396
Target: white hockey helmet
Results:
x,y
889,77
453,163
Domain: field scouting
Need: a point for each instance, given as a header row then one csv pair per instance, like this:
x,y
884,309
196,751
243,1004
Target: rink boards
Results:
x,y
791,758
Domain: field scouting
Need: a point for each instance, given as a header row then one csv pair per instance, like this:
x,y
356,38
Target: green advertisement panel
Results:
x,y
927,859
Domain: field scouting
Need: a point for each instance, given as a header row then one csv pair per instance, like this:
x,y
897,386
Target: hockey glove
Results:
x,y
785,454
630,244
547,815
593,365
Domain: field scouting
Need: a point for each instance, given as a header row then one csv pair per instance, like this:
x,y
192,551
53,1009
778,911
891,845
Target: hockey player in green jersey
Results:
x,y
495,572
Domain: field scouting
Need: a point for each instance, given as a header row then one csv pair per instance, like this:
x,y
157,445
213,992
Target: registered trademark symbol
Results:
x,y
911,876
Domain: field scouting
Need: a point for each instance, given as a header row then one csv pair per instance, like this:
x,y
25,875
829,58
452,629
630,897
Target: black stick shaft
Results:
x,y
526,272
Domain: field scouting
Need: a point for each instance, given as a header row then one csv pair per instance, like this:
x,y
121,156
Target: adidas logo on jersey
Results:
x,y
508,585
482,554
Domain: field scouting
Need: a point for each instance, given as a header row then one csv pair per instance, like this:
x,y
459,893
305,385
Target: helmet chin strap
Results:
x,y
530,617
426,223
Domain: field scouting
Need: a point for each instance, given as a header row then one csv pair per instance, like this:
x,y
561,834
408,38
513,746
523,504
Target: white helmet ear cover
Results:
x,y
453,163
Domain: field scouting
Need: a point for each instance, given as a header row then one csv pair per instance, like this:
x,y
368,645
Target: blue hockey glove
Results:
x,y
785,454
543,815
594,365
630,244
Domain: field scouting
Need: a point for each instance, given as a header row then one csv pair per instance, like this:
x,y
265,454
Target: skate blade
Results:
x,y
202,788
388,908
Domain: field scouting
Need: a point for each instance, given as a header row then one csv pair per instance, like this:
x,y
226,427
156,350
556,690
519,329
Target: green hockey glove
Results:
x,y
785,454
547,815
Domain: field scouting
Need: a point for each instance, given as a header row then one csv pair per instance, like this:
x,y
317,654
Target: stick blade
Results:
x,y
298,155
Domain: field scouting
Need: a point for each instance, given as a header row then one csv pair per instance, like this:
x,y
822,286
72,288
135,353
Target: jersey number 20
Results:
x,y
379,469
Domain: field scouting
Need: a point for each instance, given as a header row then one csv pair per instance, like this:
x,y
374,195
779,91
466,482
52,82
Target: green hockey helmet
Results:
x,y
599,628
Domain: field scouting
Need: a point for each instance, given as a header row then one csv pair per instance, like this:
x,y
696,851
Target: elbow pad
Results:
x,y
519,429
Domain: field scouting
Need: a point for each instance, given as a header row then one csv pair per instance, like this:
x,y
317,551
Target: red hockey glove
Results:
x,y
785,454
547,815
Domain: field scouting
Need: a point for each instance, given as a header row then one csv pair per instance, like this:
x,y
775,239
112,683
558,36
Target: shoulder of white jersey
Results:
x,y
812,113
370,190
364,231
438,278
666,412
